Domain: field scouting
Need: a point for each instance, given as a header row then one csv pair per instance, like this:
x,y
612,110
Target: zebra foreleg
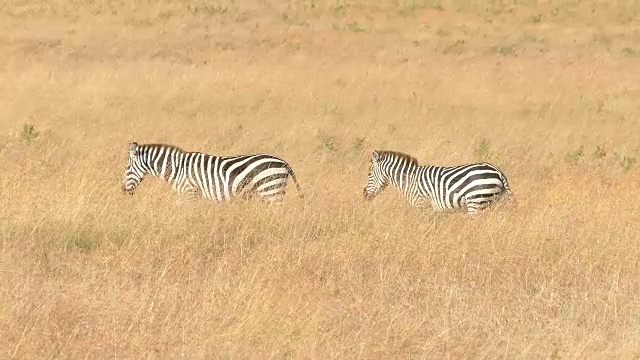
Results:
x,y
189,195
419,203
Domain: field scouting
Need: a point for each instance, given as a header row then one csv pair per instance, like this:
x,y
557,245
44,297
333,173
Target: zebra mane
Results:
x,y
406,157
166,146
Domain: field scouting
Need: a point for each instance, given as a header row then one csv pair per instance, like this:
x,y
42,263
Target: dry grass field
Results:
x,y
547,91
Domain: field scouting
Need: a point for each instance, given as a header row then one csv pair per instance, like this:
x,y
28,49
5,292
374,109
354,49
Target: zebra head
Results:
x,y
133,172
377,180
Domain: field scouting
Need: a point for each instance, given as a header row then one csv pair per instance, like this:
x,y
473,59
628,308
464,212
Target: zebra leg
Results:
x,y
420,203
506,197
472,210
190,195
473,207
476,207
248,195
275,199
272,195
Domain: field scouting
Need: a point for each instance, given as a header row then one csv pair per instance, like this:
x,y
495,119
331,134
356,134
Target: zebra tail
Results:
x,y
507,189
295,180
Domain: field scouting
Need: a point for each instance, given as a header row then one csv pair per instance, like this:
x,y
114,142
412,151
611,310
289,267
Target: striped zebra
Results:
x,y
213,177
470,187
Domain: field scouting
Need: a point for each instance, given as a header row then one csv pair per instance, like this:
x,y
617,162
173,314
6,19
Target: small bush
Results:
x,y
327,143
442,32
573,157
80,242
339,11
29,134
483,150
600,152
629,51
355,27
207,9
454,48
505,50
536,18
627,163
358,143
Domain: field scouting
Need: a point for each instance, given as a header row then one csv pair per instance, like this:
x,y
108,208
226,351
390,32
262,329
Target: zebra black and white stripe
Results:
x,y
220,178
470,187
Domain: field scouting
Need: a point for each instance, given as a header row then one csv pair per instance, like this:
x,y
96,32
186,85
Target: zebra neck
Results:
x,y
404,180
159,164
150,167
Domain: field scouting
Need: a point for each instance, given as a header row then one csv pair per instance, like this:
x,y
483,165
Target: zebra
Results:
x,y
219,178
470,187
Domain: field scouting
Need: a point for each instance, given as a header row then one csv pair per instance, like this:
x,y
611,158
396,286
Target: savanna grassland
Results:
x,y
547,91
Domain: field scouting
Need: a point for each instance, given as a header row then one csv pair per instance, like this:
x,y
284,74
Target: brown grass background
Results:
x,y
548,91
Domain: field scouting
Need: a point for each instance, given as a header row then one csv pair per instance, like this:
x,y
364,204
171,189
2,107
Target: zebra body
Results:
x,y
219,178
470,187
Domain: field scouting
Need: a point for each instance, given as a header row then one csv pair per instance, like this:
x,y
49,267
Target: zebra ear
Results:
x,y
133,148
375,156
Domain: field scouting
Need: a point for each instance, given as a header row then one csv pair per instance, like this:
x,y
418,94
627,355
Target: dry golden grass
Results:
x,y
548,93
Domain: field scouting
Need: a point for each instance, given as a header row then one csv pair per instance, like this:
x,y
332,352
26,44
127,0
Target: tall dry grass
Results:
x,y
547,92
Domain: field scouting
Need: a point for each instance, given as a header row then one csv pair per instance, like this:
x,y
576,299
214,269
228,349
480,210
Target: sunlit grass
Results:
x,y
87,271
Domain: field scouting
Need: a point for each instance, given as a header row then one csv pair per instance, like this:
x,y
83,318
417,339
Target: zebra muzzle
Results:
x,y
367,195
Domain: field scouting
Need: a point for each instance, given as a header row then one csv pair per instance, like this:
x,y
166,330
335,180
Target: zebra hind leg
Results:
x,y
472,209
272,194
273,202
506,197
248,195
496,202
274,199
477,206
